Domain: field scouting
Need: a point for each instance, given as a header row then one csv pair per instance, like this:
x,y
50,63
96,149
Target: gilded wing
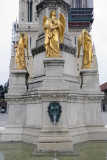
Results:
x,y
26,43
44,21
79,44
62,27
83,38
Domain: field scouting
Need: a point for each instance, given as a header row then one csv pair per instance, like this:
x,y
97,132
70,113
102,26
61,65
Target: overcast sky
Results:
x,y
8,14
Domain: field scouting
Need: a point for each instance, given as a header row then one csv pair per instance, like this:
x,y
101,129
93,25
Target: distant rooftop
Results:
x,y
104,87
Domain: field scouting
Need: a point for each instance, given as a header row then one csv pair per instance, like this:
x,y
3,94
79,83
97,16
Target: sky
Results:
x,y
9,13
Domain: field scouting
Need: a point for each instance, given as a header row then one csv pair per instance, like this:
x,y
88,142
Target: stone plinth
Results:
x,y
90,80
18,82
17,108
54,67
57,139
54,71
62,68
59,147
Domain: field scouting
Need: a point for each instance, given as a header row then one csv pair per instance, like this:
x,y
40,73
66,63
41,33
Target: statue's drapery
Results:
x,y
84,40
20,46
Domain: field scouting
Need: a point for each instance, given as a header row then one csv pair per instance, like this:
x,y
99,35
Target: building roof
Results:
x,y
103,87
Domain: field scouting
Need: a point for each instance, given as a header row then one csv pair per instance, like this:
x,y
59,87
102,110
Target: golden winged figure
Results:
x,y
54,32
84,41
20,46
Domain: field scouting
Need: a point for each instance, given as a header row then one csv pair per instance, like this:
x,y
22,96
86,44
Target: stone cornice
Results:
x,y
38,98
63,47
52,3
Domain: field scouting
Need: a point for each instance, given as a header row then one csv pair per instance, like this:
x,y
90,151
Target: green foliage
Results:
x,y
4,89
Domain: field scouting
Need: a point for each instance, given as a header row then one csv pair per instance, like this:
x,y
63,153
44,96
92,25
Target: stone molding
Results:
x,y
63,47
52,97
19,72
88,71
54,61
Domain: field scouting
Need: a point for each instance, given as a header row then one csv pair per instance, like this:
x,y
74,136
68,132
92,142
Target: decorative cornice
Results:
x,y
39,98
52,3
63,47
38,49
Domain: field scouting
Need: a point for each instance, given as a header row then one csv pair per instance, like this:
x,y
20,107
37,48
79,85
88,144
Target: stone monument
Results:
x,y
55,94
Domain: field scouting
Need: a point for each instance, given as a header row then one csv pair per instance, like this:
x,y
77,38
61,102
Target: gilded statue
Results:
x,y
84,40
20,46
54,33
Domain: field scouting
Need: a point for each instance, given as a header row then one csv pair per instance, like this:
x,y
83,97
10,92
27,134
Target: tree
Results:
x,y
4,89
1,91
6,85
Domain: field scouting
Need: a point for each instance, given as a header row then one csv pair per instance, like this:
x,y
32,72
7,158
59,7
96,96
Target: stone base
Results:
x,y
79,135
55,140
18,82
54,72
11,133
29,120
90,80
59,147
97,132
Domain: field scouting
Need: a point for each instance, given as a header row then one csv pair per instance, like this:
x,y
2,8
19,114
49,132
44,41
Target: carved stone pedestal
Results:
x,y
90,80
18,82
54,72
18,88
